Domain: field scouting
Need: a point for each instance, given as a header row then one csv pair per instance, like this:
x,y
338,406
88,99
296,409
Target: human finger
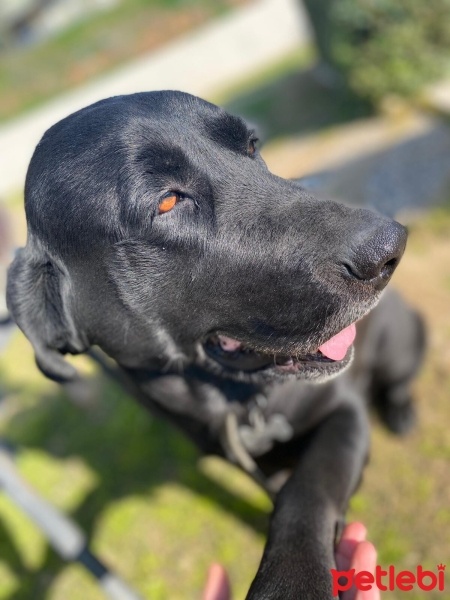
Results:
x,y
217,584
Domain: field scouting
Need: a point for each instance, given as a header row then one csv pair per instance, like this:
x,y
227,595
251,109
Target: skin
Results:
x,y
352,552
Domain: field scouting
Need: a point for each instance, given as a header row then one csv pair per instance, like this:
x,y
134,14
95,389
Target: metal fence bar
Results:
x,y
63,534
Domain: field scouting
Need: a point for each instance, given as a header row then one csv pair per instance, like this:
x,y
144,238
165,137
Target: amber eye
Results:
x,y
252,146
168,202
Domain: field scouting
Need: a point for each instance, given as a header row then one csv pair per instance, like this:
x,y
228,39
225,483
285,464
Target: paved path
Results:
x,y
201,62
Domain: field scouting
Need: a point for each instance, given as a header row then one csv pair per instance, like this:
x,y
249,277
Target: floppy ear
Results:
x,y
38,300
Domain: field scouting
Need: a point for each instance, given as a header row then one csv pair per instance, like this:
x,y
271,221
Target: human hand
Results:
x,y
217,584
353,551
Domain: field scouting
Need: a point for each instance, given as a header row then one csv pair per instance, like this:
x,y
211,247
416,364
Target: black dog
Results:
x,y
156,232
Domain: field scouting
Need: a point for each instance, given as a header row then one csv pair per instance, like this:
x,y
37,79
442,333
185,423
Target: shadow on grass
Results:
x,y
131,454
297,102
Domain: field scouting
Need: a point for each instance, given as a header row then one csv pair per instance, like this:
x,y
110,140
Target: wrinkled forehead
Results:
x,y
197,128
119,154
179,146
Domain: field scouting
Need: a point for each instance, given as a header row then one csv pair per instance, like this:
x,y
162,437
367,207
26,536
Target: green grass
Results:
x,y
31,75
287,98
150,507
159,515
132,483
405,496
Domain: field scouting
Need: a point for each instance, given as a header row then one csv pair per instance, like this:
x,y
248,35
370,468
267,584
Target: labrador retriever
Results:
x,y
226,295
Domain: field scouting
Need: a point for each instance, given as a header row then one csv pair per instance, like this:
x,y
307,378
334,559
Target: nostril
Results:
x,y
375,253
383,270
389,267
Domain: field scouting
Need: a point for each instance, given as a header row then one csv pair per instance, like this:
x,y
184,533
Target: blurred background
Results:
x,y
354,97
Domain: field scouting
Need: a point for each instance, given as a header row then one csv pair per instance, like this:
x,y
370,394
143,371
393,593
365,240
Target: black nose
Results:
x,y
377,254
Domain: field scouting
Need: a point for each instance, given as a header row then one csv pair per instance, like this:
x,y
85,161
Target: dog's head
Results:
x,y
156,231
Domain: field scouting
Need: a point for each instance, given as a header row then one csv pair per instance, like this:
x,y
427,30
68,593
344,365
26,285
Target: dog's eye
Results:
x,y
252,146
168,202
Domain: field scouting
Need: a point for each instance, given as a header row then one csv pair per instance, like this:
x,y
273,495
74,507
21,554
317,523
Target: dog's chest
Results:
x,y
222,416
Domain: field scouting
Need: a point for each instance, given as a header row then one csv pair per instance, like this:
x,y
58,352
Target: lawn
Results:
x,y
30,75
405,496
152,510
159,515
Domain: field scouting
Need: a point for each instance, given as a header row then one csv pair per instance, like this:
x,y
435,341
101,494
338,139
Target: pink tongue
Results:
x,y
337,347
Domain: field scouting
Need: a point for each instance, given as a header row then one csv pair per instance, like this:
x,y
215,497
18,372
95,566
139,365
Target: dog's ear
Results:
x,y
38,295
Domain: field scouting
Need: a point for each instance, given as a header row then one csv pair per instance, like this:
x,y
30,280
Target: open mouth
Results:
x,y
236,355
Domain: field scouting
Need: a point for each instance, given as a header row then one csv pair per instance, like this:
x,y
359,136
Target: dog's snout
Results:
x,y
377,255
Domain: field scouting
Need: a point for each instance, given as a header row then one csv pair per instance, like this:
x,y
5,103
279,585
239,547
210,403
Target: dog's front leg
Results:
x,y
300,549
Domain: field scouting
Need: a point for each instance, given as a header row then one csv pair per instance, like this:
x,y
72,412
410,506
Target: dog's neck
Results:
x,y
200,403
